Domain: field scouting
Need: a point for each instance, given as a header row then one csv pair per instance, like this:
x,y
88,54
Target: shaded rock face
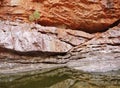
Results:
x,y
86,15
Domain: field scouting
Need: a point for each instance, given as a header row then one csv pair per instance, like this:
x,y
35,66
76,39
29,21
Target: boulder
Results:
x,y
86,15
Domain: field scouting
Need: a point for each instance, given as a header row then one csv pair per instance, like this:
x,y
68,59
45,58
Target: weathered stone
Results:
x,y
87,15
29,43
25,37
100,54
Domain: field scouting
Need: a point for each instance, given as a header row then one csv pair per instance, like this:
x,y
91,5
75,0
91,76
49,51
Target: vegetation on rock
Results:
x,y
35,16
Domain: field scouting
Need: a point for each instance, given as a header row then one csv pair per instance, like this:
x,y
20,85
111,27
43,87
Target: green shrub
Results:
x,y
34,16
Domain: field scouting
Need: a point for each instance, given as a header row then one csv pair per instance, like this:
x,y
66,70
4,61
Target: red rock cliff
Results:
x,y
87,15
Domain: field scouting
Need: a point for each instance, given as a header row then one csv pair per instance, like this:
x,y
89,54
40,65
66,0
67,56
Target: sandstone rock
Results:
x,y
25,37
100,54
0,3
86,15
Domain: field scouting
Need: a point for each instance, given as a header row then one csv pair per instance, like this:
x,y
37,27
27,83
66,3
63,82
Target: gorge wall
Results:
x,y
86,15
72,33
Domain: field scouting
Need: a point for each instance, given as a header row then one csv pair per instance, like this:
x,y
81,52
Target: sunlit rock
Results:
x,y
86,15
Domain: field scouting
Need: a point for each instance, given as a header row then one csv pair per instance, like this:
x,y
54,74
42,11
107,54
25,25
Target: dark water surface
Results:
x,y
60,78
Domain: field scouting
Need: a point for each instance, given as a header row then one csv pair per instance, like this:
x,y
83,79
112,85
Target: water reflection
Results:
x,y
62,78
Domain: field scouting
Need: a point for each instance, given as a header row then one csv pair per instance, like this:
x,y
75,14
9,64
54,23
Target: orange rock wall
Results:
x,y
86,15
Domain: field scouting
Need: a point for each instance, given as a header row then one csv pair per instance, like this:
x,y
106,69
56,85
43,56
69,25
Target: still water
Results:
x,y
60,78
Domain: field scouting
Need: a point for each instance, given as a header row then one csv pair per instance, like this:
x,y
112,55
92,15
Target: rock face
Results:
x,y
86,15
25,37
98,52
102,53
23,42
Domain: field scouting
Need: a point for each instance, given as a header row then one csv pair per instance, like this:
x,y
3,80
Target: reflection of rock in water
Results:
x,y
61,78
64,84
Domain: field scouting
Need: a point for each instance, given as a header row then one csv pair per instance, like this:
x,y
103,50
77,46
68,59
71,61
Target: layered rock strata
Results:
x,y
25,37
98,52
86,15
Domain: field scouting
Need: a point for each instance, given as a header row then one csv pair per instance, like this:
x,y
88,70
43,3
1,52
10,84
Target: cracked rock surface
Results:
x,y
102,53
25,37
99,52
86,15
